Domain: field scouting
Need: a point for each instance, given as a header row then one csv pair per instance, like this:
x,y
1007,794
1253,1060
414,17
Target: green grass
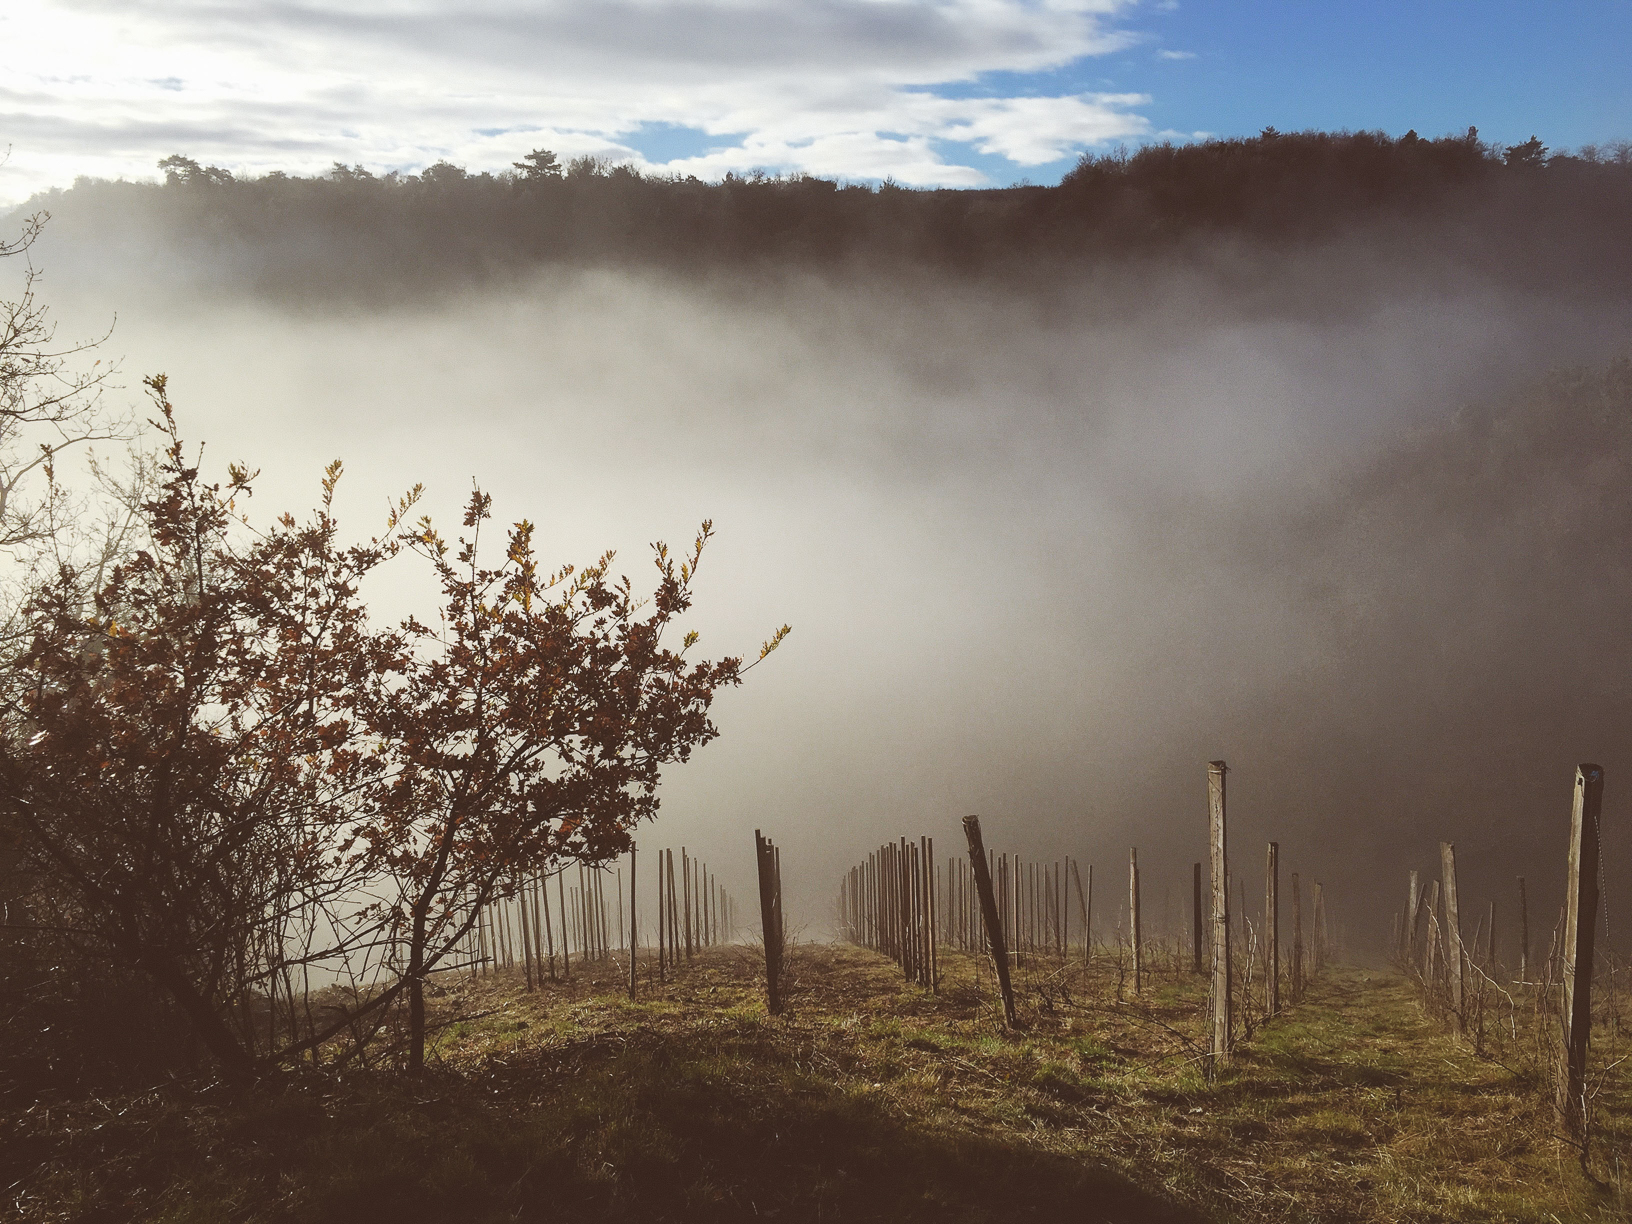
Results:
x,y
872,1100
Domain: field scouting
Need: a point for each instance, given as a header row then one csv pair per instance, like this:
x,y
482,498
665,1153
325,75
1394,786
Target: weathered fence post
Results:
x,y
634,929
1524,934
1218,853
1087,916
673,916
1580,919
1084,904
1320,927
1272,928
686,899
662,925
1455,957
1417,934
1133,918
1407,933
1197,940
988,913
1297,939
932,926
770,924
1430,947
566,941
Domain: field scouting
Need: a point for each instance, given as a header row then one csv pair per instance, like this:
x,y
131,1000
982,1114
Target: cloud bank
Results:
x,y
849,88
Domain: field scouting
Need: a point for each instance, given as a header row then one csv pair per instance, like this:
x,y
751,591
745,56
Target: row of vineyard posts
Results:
x,y
904,904
1458,979
546,935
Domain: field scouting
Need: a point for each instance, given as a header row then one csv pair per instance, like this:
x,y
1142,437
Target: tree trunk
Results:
x,y
218,1039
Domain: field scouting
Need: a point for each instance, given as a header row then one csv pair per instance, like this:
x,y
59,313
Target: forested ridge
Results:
x,y
1518,214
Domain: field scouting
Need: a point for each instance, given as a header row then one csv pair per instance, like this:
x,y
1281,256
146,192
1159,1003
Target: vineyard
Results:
x,y
975,1047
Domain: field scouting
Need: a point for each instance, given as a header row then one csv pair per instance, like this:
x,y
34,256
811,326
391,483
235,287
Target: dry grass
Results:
x,y
871,1100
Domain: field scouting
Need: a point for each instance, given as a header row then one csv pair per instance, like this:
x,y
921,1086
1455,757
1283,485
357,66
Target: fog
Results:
x,y
1045,551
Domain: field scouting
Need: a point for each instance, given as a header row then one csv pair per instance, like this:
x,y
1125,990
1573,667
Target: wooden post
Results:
x,y
504,933
539,914
1133,917
1087,916
685,898
549,922
1405,941
988,914
600,908
1320,927
1524,934
1416,934
933,927
1580,921
1272,928
673,915
1430,945
764,857
634,930
776,897
1082,908
566,942
1455,961
1198,940
1065,910
1218,853
526,933
538,925
1297,939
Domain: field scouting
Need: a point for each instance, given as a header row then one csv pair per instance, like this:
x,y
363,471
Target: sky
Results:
x,y
959,93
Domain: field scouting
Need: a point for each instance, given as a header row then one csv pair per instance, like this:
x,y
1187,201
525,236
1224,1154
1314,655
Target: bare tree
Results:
x,y
51,401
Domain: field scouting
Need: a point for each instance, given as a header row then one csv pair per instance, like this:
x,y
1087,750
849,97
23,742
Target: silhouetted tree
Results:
x,y
184,171
539,164
1530,155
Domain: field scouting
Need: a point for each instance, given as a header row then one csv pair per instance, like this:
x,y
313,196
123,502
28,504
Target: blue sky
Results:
x,y
1560,69
930,92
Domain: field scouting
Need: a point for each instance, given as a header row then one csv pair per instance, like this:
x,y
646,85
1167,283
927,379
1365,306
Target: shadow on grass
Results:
x,y
642,1127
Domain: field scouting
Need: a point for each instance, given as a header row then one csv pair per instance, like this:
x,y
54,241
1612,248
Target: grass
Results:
x,y
872,1100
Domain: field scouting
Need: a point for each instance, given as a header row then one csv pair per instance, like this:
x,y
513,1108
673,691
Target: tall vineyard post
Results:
x,y
1197,940
1580,919
1524,934
1134,930
989,916
1272,930
1455,955
768,860
1217,849
1297,939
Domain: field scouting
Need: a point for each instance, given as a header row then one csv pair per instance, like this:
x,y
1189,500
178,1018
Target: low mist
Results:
x,y
1046,549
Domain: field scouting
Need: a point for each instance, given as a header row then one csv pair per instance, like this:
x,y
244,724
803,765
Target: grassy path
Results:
x,y
872,1101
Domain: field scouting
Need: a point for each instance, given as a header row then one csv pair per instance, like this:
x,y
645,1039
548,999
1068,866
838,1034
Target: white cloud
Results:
x,y
1176,55
833,87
